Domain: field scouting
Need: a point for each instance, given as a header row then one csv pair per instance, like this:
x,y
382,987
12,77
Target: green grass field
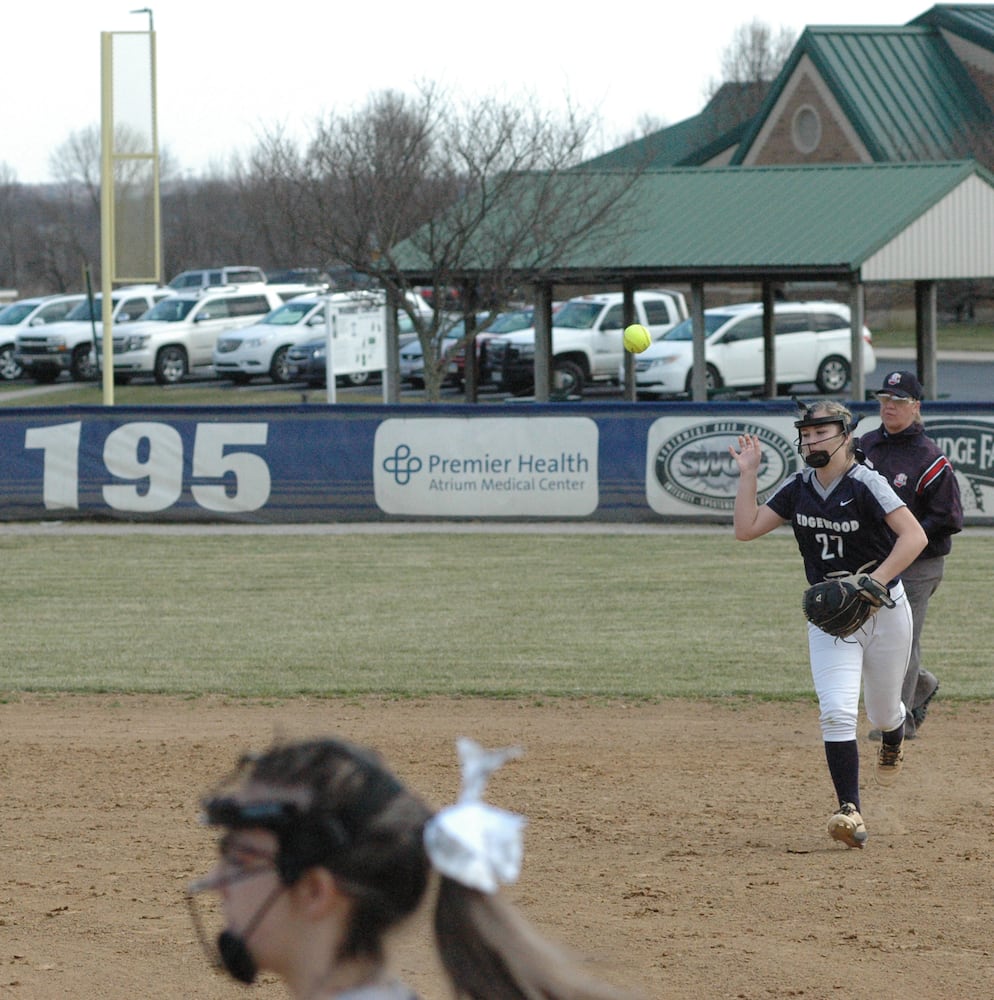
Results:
x,y
503,615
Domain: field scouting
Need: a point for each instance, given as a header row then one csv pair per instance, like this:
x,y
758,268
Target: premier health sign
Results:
x,y
487,467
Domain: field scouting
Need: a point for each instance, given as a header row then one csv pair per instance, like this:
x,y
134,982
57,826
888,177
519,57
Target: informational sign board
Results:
x,y
356,325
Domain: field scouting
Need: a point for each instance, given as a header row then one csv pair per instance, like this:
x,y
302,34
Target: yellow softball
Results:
x,y
637,338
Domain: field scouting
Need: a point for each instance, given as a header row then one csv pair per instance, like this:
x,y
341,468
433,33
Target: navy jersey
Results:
x,y
842,528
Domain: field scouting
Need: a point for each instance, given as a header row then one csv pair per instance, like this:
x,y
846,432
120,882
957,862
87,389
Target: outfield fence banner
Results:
x,y
311,462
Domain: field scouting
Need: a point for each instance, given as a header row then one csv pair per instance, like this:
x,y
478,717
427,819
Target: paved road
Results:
x,y
962,375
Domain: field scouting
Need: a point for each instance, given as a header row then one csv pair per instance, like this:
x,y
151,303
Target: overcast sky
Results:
x,y
228,71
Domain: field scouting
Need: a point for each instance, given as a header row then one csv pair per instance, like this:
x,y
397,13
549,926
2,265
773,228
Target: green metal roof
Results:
x,y
784,221
974,22
693,141
902,89
687,143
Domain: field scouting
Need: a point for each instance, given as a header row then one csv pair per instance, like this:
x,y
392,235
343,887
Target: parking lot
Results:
x,y
961,376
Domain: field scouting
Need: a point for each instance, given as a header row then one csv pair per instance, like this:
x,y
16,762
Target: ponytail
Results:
x,y
490,952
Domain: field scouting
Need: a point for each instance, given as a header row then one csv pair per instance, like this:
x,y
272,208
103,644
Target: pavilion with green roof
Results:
x,y
866,160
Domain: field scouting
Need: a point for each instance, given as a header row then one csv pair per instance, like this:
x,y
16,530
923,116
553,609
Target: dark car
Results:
x,y
308,362
412,362
298,276
505,322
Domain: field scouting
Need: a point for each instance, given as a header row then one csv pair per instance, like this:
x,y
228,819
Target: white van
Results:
x,y
813,344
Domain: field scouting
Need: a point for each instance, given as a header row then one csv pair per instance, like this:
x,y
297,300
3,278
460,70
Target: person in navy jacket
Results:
x,y
923,478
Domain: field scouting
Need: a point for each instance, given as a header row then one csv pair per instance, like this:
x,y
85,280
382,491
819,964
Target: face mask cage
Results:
x,y
201,912
224,949
808,419
306,837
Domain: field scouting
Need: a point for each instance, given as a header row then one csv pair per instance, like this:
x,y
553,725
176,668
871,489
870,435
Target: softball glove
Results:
x,y
843,602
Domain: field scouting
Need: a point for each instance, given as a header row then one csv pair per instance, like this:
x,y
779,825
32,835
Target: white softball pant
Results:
x,y
878,656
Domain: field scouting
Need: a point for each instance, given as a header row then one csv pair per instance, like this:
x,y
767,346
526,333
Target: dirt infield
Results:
x,y
680,845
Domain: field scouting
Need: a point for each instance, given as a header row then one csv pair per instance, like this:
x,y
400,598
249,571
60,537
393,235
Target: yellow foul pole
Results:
x,y
107,210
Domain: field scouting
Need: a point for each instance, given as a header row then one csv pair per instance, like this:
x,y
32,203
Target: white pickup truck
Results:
x,y
586,341
44,352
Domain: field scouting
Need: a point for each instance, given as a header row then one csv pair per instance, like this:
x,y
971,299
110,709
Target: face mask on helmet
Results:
x,y
819,459
305,839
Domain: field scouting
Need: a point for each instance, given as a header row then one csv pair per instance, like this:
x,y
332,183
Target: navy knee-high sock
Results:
x,y
843,766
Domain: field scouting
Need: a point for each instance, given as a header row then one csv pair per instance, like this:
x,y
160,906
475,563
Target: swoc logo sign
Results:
x,y
693,466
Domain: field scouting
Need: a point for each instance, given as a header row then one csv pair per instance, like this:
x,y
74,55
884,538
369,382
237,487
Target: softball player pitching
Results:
x,y
845,518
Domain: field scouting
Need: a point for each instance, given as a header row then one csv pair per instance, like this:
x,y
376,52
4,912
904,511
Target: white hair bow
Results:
x,y
478,845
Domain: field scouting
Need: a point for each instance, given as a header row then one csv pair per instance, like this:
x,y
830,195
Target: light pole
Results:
x,y
146,10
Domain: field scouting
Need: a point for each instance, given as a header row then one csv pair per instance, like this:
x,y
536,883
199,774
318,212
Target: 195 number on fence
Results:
x,y
146,461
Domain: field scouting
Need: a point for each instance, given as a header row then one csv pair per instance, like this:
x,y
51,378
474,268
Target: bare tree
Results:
x,y
28,244
76,161
756,52
199,215
75,164
750,62
10,230
73,214
283,225
645,125
488,189
73,224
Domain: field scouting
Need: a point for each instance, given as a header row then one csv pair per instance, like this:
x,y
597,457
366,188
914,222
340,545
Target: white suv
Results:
x,y
261,349
45,352
180,332
25,314
812,345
